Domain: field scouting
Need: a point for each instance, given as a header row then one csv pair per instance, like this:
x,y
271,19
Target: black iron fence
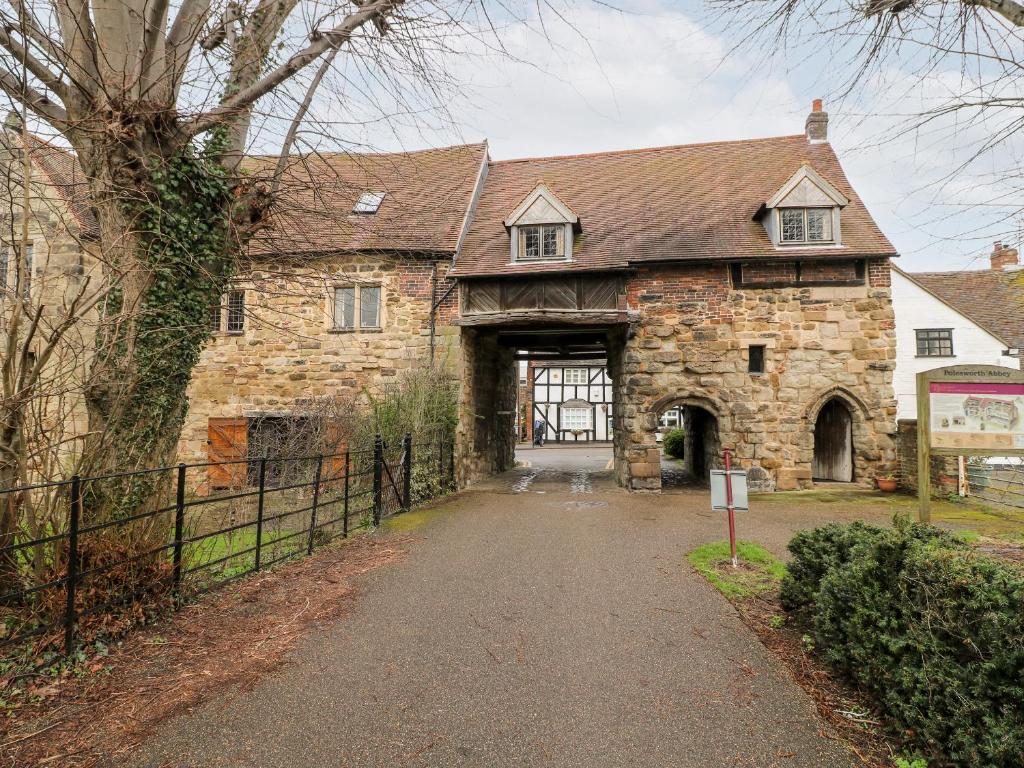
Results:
x,y
65,579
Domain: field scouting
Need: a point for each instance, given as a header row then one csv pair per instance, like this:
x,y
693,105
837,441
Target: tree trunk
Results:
x,y
165,235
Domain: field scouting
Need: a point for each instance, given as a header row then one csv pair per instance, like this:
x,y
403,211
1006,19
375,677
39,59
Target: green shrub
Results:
x,y
673,443
932,629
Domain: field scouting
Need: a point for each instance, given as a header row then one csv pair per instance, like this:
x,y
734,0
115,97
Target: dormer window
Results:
x,y
805,225
368,202
547,242
805,211
541,228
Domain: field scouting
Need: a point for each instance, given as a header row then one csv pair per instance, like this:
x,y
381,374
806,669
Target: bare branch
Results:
x,y
332,39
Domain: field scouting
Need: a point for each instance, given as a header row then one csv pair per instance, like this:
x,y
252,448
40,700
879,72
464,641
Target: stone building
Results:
x,y
349,287
745,281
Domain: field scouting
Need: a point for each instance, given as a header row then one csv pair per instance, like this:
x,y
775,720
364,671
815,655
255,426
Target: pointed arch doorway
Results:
x,y
833,443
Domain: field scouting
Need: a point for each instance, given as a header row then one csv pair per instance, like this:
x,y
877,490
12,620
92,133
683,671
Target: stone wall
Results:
x,y
485,439
689,344
290,353
944,470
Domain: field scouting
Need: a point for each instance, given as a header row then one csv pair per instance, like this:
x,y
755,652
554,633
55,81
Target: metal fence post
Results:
x,y
451,465
259,513
407,472
378,461
344,514
440,465
72,577
316,502
179,529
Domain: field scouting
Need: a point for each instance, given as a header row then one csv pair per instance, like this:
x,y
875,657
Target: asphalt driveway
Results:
x,y
545,618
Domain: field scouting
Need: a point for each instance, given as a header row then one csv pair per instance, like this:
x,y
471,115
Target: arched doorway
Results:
x,y
701,444
833,443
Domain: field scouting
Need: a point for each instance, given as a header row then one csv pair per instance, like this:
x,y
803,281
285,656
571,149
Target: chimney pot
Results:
x,y
1003,256
816,126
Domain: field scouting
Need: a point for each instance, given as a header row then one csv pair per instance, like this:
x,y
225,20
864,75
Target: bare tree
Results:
x,y
158,101
943,71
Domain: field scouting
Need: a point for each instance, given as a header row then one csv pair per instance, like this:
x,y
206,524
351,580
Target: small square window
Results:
x,y
236,312
934,342
755,358
368,202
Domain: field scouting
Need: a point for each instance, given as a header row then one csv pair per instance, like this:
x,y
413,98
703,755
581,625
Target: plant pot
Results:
x,y
887,484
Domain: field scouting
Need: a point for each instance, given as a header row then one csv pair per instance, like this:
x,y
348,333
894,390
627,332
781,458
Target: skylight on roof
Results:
x,y
368,202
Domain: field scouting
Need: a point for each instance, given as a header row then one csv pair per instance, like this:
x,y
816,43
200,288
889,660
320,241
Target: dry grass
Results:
x,y
229,640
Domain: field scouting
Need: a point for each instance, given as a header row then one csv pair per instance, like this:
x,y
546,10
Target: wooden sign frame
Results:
x,y
961,374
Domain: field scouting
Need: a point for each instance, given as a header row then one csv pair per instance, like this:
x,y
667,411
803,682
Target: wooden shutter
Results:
x,y
227,440
335,442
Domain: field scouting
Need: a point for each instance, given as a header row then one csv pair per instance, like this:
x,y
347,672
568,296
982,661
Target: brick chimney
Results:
x,y
1003,256
816,126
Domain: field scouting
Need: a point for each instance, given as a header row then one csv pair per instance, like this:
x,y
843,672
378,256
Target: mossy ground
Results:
x,y
973,517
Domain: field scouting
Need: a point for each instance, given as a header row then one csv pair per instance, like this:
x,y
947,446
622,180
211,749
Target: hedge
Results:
x,y
673,443
934,630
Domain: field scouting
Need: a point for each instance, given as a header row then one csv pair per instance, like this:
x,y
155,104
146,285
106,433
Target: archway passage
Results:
x,y
701,445
563,422
833,443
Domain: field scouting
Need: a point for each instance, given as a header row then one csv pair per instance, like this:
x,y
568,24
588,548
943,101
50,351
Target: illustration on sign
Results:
x,y
976,415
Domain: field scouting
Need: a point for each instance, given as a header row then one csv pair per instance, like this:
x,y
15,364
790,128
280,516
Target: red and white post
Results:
x,y
727,455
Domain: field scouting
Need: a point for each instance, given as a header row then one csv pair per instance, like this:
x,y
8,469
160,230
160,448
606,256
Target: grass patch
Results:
x,y
759,570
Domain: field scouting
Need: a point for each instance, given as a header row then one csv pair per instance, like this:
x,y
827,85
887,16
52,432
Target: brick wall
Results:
x,y
879,273
944,472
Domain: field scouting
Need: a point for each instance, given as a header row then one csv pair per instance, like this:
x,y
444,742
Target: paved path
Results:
x,y
543,619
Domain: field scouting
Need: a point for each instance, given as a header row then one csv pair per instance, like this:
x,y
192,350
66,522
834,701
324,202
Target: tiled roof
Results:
x,y
62,172
994,299
426,198
685,202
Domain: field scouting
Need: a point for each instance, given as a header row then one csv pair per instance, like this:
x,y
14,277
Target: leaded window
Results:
x,y
542,242
236,312
805,225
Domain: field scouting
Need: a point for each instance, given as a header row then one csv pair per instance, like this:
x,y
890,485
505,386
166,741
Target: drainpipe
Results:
x,y
433,310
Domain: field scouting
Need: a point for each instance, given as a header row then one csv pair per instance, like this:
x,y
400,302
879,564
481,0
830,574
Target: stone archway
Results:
x,y
837,432
702,443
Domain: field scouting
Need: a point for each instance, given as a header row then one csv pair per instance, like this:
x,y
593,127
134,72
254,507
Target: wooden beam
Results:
x,y
534,317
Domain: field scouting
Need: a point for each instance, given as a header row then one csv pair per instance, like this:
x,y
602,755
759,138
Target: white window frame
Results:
x,y
577,377
357,308
829,215
585,425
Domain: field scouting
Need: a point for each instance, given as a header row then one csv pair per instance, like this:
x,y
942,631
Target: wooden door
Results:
x,y
833,443
227,440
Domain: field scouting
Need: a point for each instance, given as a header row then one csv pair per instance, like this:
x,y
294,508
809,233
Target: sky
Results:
x,y
655,73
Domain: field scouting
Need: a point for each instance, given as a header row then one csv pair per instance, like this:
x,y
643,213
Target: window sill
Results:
x,y
355,330
935,357
542,260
